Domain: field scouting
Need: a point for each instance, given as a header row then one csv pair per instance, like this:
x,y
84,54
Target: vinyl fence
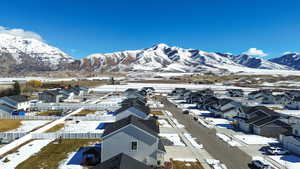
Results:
x,y
12,135
79,118
73,106
66,135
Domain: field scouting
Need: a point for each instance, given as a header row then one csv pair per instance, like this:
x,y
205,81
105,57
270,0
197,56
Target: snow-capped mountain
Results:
x,y
162,57
289,59
24,54
28,55
255,62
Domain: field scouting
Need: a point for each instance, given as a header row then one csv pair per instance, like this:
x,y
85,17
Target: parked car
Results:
x,y
195,118
277,151
185,112
261,165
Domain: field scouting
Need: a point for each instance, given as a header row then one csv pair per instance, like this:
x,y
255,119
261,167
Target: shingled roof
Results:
x,y
121,161
149,126
140,107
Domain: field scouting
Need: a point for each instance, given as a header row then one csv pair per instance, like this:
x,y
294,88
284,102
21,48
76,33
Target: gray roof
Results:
x,y
18,98
140,107
6,109
122,161
161,146
149,126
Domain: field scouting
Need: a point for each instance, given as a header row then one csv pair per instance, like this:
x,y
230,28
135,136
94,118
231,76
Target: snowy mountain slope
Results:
x,y
255,62
160,57
289,59
166,58
30,54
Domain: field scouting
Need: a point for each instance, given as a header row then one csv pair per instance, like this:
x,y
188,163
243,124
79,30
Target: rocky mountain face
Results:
x,y
21,55
165,58
29,55
289,59
255,62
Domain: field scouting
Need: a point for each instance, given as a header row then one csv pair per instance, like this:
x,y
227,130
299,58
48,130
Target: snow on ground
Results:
x,y
28,125
192,140
23,153
290,112
163,87
187,106
289,161
82,126
168,113
255,139
174,138
185,159
228,140
177,123
204,123
198,112
219,122
164,123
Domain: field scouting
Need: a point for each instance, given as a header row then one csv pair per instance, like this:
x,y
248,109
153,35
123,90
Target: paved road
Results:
x,y
232,157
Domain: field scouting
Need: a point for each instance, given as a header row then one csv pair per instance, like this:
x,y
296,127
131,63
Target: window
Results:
x,y
134,145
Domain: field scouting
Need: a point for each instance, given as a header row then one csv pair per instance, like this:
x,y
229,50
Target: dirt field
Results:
x,y
6,124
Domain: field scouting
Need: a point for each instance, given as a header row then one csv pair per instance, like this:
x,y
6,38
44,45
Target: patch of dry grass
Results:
x,y
85,112
55,128
51,155
50,113
157,112
7,124
186,165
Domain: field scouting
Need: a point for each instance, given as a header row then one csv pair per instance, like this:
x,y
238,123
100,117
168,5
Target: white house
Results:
x,y
134,137
294,104
291,141
140,111
227,108
16,102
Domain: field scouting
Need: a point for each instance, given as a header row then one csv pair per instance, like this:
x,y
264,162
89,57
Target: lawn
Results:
x,y
85,112
157,112
55,128
51,155
186,165
50,113
7,124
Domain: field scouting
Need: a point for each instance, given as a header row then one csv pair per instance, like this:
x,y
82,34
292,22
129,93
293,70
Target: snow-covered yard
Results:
x,y
173,138
193,141
219,122
22,154
289,161
164,123
255,139
28,125
228,140
82,126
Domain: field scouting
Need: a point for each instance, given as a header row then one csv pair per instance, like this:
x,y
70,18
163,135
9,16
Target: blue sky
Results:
x,y
83,27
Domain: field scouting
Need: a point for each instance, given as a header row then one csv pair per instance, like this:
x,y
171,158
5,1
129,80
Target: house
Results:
x,y
226,108
132,101
291,140
134,137
261,121
148,90
137,110
5,110
207,102
293,104
235,92
50,96
282,99
122,161
292,93
262,96
136,95
16,102
129,91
